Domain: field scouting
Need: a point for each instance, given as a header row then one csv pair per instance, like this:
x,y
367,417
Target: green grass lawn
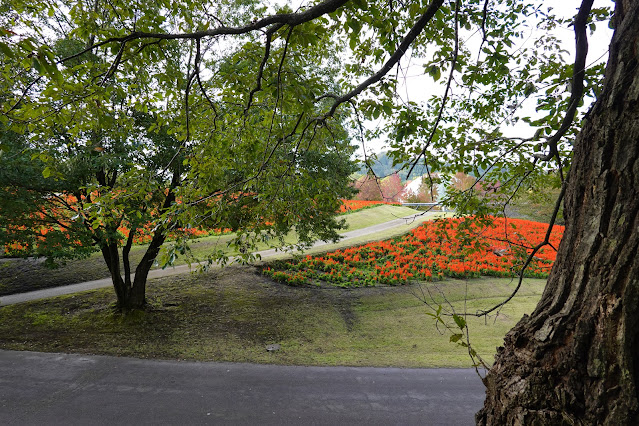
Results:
x,y
354,221
26,275
380,214
233,313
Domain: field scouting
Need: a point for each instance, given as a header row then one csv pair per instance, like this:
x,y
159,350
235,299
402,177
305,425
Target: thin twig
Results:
x,y
453,63
579,70
545,242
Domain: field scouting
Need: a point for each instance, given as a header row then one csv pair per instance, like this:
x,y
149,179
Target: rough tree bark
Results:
x,y
575,359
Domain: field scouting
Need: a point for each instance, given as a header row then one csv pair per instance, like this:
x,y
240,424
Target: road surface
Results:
x,y
52,389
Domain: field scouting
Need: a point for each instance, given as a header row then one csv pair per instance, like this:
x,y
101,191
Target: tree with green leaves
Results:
x,y
257,86
107,158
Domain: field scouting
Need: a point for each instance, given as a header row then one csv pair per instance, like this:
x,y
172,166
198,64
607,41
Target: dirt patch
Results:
x,y
271,297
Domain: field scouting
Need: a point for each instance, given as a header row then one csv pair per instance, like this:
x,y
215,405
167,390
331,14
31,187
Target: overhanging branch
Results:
x,y
394,59
581,51
291,19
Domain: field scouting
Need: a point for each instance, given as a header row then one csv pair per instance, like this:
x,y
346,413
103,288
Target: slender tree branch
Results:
x,y
114,66
545,242
581,40
445,97
394,59
23,94
292,19
198,60
260,72
279,94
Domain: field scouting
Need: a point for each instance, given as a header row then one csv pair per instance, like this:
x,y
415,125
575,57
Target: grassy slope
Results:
x,y
25,275
373,216
232,314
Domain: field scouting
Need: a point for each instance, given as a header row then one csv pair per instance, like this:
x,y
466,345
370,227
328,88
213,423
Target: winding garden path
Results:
x,y
407,222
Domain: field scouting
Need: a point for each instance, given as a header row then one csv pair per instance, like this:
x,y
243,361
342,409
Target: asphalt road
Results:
x,y
38,389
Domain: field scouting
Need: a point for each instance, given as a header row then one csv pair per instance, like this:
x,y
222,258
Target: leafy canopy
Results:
x,y
162,136
259,103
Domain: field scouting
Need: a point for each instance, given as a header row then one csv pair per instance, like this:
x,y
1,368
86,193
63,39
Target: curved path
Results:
x,y
408,222
52,389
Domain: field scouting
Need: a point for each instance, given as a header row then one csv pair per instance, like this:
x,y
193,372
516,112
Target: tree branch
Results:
x,y
394,59
260,72
453,63
292,19
545,242
581,51
198,57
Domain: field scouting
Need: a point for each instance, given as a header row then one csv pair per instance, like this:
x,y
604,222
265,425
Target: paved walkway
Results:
x,y
407,222
60,389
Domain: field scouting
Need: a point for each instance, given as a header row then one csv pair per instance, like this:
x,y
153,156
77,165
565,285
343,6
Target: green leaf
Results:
x,y
361,4
529,90
456,338
51,69
460,321
435,72
6,50
355,25
35,63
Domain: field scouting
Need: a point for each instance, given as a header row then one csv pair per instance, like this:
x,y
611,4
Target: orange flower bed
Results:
x,y
445,248
353,205
145,234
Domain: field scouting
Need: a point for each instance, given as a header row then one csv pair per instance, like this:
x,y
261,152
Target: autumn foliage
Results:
x,y
371,188
457,248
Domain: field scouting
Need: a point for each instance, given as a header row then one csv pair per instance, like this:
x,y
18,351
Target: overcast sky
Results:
x,y
419,87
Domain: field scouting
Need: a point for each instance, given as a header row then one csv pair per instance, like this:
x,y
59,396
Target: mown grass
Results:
x,y
354,221
19,275
234,313
373,216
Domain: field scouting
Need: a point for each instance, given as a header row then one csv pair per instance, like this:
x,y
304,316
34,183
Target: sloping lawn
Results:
x,y
18,275
234,313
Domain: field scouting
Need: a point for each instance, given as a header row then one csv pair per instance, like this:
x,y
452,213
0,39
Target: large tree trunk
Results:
x,y
575,359
131,294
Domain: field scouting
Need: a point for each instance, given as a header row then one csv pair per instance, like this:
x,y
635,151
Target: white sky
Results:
x,y
419,87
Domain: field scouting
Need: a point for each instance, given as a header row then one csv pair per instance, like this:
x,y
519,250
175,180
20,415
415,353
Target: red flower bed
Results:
x,y
445,248
145,234
353,205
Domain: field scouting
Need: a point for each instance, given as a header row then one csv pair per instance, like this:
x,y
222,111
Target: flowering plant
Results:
x,y
460,248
